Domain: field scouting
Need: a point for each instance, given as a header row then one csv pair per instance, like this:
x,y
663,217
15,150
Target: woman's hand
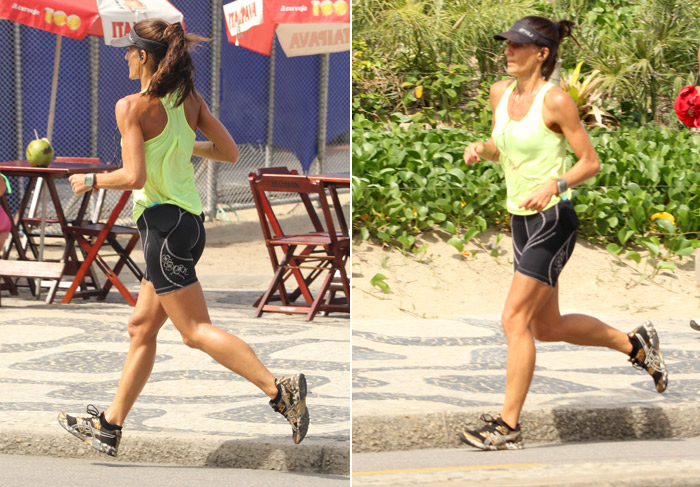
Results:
x,y
540,198
472,151
77,183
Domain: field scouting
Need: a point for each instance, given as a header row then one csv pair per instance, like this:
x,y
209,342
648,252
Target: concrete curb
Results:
x,y
206,451
557,425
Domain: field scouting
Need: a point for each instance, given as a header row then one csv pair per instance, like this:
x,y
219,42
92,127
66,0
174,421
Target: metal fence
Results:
x,y
93,77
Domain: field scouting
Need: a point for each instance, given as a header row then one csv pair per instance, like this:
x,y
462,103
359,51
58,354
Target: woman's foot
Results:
x,y
291,403
647,356
95,431
494,435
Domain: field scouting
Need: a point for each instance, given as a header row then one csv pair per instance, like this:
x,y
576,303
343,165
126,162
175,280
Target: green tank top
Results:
x,y
531,153
169,169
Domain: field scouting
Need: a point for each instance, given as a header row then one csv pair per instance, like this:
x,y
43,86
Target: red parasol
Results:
x,y
303,26
111,19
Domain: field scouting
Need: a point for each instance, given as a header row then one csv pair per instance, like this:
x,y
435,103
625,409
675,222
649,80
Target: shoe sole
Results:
x,y
481,446
304,419
654,338
93,442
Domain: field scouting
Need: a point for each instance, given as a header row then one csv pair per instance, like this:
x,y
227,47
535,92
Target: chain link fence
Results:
x,y
242,88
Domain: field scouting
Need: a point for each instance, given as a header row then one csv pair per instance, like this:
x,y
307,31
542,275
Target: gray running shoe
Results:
x,y
494,435
649,356
90,430
292,404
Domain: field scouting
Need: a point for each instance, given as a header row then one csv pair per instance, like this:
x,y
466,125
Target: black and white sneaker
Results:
x,y
93,431
494,435
291,403
648,356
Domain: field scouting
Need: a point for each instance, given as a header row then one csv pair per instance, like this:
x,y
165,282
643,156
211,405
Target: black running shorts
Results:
x,y
543,242
173,241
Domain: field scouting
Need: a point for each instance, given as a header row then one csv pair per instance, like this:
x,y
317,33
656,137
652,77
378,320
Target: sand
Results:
x,y
441,283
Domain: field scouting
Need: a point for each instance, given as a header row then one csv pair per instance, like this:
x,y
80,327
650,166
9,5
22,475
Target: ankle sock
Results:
x,y
276,400
506,424
108,425
635,346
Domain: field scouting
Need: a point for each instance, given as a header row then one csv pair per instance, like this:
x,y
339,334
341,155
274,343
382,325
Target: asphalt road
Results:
x,y
672,462
29,471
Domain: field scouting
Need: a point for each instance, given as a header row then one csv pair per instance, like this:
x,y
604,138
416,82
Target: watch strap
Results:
x,y
90,180
561,189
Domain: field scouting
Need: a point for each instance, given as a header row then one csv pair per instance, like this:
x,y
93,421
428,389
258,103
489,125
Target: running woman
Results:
x,y
533,120
158,127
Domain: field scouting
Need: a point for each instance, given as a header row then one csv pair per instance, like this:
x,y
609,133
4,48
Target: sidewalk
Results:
x,y
417,382
193,411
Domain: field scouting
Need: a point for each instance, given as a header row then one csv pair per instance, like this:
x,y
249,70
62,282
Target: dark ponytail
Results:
x,y
554,30
175,72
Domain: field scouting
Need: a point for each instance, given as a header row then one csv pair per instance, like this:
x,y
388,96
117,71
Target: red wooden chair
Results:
x,y
306,256
276,230
94,237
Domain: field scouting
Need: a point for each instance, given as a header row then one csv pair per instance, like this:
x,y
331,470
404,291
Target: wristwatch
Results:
x,y
90,180
561,189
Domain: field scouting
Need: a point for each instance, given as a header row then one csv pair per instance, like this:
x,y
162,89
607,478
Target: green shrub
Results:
x,y
408,180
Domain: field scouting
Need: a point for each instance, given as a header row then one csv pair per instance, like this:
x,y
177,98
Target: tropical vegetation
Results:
x,y
421,74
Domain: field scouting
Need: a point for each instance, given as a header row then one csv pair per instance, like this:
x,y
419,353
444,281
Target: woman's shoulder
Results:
x,y
194,99
498,89
555,96
134,102
139,107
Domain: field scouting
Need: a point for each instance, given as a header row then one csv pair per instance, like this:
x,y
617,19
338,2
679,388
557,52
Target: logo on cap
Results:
x,y
523,30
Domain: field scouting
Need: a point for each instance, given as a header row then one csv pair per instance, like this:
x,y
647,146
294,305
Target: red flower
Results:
x,y
687,106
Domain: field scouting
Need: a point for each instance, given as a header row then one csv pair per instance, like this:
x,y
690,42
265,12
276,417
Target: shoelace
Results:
x,y
92,410
487,418
652,359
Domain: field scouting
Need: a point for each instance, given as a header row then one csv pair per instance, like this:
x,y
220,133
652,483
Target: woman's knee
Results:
x,y
142,329
514,324
194,336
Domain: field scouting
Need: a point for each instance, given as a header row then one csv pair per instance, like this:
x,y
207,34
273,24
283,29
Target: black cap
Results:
x,y
133,39
523,33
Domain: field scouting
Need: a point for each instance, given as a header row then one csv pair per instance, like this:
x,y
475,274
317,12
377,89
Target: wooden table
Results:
x,y
333,181
34,268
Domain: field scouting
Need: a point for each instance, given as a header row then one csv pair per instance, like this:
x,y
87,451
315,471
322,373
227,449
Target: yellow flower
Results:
x,y
419,91
462,204
466,253
663,214
415,213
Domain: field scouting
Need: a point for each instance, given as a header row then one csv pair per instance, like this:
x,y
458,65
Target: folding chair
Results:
x,y
277,229
101,233
322,246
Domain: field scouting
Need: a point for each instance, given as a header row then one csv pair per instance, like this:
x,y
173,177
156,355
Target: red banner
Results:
x,y
305,11
68,18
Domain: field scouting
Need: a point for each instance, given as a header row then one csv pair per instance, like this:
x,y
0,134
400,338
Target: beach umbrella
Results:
x,y
303,27
111,19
